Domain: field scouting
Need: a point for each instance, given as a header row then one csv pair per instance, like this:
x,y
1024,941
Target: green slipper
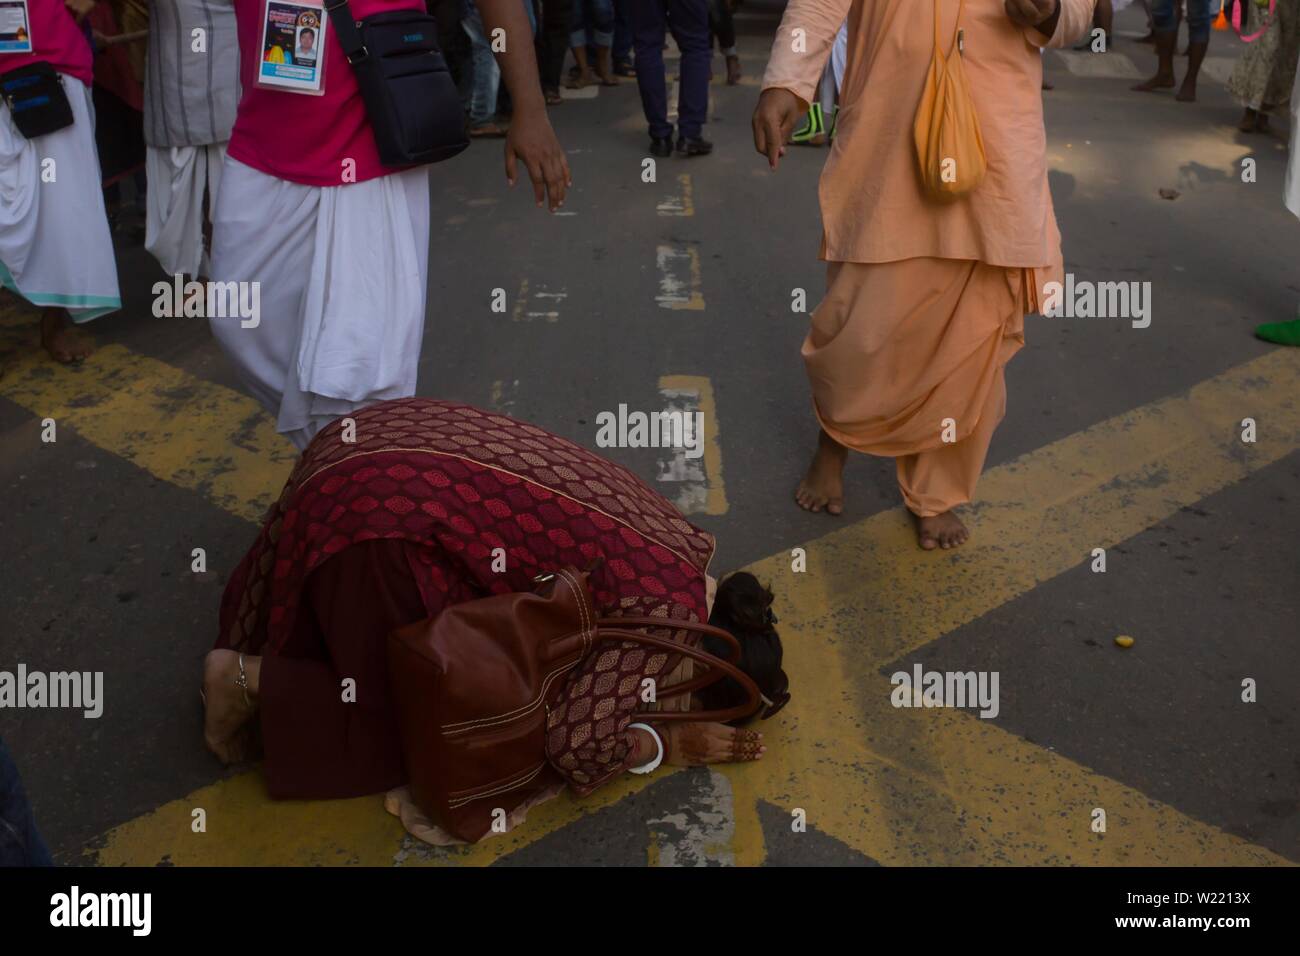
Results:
x,y
1279,333
813,125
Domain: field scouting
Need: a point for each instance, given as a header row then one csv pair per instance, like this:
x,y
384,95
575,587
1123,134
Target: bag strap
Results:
x,y
1237,21
609,629
345,26
956,30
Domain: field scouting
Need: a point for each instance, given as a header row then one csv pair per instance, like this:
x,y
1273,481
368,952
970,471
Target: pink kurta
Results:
x,y
873,208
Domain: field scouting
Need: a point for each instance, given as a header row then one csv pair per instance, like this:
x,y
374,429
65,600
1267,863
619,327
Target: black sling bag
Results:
x,y
36,99
411,99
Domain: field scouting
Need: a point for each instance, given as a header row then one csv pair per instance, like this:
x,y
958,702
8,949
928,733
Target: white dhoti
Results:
x,y
173,228
341,273
55,244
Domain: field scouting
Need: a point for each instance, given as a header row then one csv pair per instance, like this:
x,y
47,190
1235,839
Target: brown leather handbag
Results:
x,y
473,685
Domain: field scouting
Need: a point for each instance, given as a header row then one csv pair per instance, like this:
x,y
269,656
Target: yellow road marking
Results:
x,y
715,492
915,786
192,433
521,300
675,290
681,203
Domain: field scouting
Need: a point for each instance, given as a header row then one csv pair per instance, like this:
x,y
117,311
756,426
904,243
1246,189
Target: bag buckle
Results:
x,y
361,55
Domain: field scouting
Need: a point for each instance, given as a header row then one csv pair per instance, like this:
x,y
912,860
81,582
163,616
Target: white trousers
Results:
x,y
173,227
340,275
55,244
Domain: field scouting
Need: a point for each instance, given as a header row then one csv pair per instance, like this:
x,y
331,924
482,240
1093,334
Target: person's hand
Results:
x,y
531,141
774,118
1030,13
80,8
691,744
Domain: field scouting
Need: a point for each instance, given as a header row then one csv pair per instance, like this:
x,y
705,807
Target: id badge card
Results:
x,y
15,27
293,47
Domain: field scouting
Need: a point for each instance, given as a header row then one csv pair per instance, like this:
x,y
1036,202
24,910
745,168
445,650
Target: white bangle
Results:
x,y
659,757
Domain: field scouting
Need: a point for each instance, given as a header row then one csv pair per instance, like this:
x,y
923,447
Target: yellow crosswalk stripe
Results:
x,y
189,432
932,786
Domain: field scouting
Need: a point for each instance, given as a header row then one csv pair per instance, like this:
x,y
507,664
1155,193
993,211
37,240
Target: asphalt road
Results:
x,y
679,291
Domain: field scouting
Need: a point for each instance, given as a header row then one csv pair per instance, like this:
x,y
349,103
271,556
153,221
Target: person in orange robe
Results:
x,y
925,300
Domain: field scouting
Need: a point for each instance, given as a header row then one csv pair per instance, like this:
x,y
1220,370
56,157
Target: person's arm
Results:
x,y
803,42
80,9
1051,23
530,140
694,744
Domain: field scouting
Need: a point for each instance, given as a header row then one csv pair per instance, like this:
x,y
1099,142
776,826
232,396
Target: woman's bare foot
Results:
x,y
1187,93
225,712
62,339
823,486
941,531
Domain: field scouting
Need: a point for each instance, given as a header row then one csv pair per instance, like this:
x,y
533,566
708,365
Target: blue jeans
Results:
x,y
596,17
20,843
689,22
487,75
1164,16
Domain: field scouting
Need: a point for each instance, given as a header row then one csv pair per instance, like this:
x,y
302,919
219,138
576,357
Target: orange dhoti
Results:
x,y
906,360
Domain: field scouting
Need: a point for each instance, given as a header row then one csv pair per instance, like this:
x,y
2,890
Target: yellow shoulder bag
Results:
x,y
949,146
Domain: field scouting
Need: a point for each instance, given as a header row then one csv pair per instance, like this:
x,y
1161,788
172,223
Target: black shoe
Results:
x,y
661,145
699,146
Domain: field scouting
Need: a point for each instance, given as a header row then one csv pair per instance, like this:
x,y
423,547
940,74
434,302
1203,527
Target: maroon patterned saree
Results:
x,y
458,483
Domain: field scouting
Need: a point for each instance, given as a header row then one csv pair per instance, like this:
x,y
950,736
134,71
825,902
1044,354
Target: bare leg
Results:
x,y
226,713
605,66
583,67
823,486
1195,56
1164,78
61,338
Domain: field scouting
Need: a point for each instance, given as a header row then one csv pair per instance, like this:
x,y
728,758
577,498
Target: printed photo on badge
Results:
x,y
15,27
293,44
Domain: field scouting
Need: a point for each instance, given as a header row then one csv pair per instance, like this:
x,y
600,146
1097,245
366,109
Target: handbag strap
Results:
x,y
346,28
956,30
609,629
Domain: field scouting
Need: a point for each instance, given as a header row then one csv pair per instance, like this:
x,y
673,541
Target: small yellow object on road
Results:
x,y
1124,641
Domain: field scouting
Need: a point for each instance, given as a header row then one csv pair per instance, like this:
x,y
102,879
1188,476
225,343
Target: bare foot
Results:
x,y
61,338
823,486
578,82
1161,81
733,70
941,531
225,713
1188,92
